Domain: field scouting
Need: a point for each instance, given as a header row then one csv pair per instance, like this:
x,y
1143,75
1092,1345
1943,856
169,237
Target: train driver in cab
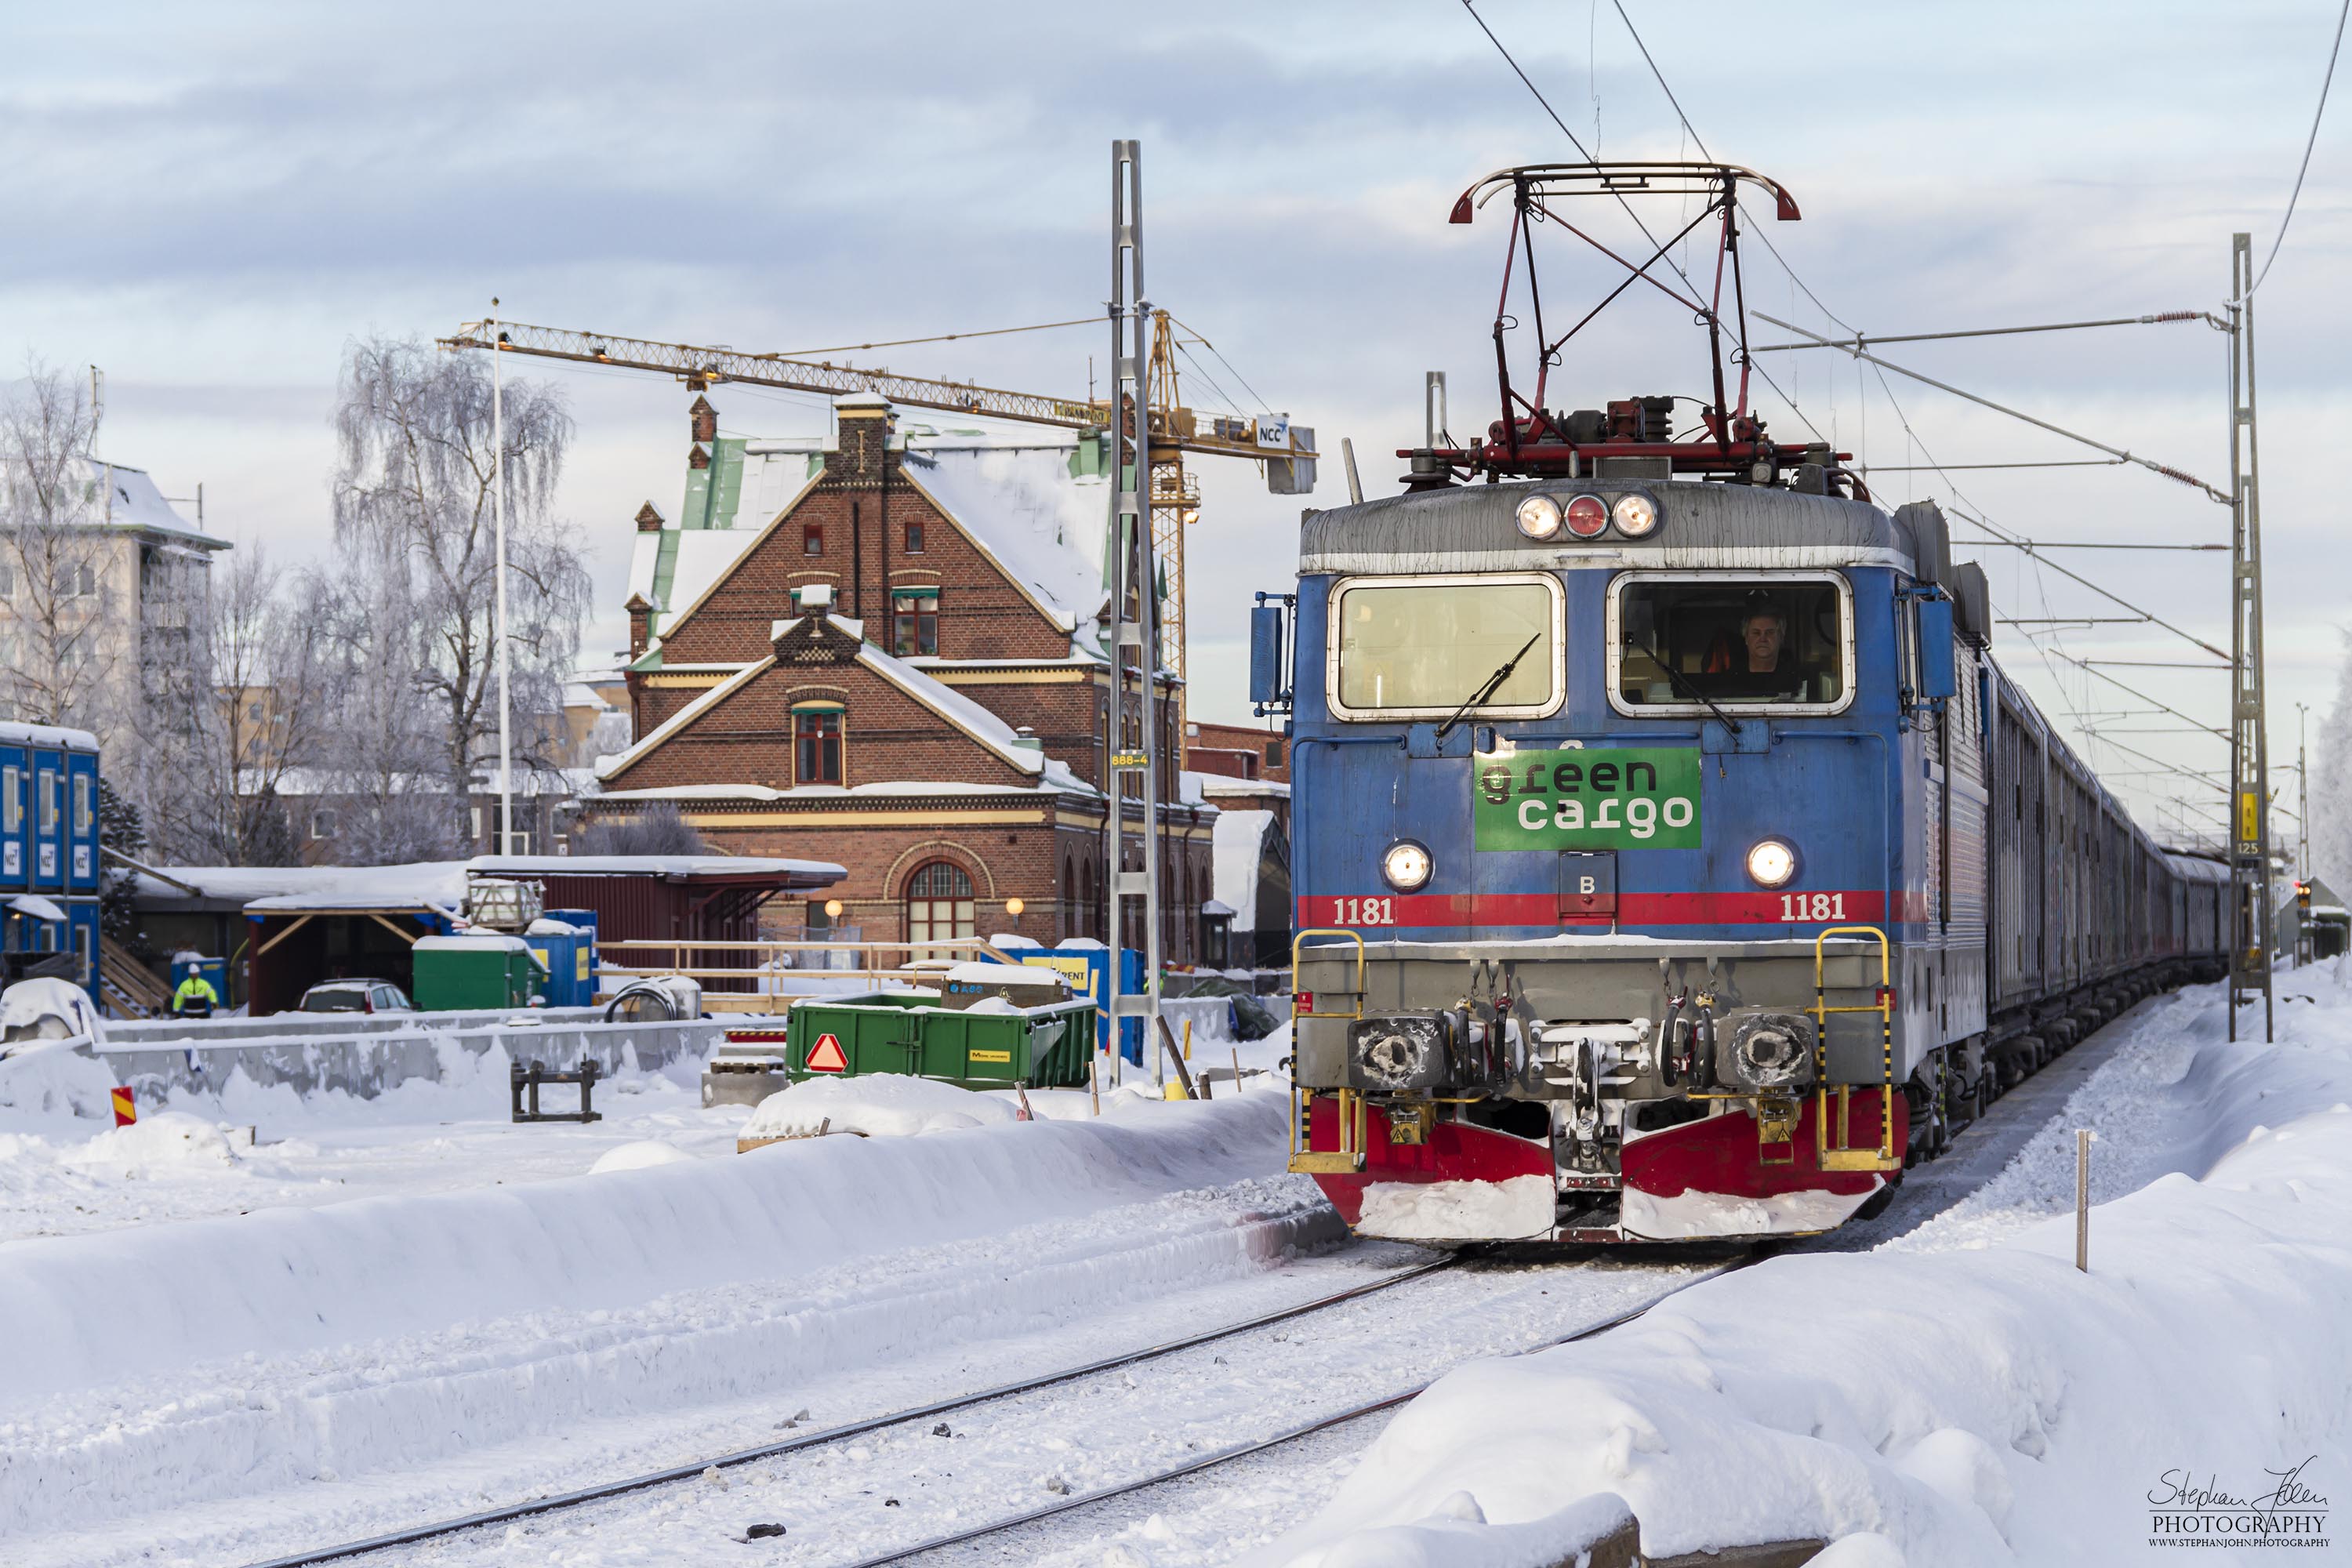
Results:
x,y
1760,666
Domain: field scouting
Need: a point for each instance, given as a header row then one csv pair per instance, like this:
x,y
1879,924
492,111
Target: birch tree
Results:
x,y
2330,785
58,646
413,505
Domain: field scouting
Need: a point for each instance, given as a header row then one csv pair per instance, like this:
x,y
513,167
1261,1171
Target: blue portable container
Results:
x,y
584,963
562,955
81,820
81,935
16,821
1086,965
49,764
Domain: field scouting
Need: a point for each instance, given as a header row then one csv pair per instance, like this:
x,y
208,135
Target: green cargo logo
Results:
x,y
1619,799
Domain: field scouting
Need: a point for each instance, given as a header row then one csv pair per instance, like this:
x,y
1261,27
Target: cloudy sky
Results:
x,y
211,201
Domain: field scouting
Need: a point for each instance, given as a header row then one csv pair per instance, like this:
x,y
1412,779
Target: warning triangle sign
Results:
x,y
825,1056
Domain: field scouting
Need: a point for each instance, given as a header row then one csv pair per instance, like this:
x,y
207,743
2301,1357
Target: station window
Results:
x,y
914,539
1681,640
81,817
48,803
916,624
813,539
939,903
11,799
1420,648
816,745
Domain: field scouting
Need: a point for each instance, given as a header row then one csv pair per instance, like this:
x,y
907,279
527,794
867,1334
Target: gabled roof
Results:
x,y
959,710
1033,502
1022,503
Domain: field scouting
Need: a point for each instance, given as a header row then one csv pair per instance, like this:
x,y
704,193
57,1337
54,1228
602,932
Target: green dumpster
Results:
x,y
1048,1046
489,970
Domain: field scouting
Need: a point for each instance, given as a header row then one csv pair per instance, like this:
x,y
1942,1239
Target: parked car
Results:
x,y
355,996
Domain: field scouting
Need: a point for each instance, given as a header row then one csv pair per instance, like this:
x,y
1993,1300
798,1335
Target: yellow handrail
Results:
x,y
1350,1156
1330,931
1844,1156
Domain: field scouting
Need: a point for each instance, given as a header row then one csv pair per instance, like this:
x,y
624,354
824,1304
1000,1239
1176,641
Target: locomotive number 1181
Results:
x,y
1812,906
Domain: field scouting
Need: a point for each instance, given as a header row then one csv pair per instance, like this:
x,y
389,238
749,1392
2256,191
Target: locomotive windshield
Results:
x,y
1685,640
1421,647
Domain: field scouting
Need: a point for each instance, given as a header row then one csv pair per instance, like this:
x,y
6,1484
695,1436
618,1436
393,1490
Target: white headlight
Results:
x,y
1637,514
1539,517
1771,863
1406,865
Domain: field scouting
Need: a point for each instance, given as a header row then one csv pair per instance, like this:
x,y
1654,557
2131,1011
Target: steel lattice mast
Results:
x,y
2252,915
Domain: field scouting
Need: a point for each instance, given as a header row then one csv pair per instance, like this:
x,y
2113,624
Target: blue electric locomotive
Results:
x,y
1672,859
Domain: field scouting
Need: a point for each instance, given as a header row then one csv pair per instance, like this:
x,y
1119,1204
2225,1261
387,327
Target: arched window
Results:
x,y
1069,895
939,903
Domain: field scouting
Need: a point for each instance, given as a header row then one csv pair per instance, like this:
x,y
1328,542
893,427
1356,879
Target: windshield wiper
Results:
x,y
1683,681
1493,683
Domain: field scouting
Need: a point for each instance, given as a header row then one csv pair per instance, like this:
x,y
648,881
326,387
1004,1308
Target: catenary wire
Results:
x,y
2309,143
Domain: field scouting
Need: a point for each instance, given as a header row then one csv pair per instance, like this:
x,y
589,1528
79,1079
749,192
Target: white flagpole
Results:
x,y
498,505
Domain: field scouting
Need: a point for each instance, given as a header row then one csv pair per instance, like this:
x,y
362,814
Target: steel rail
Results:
x,y
562,1500
1259,1446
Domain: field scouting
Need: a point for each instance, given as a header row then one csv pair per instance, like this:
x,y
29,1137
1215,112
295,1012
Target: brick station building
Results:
x,y
885,650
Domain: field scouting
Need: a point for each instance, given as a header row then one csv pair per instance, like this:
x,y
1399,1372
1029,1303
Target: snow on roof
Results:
x,y
430,884
957,708
954,706
704,556
613,762
1023,508
800,871
15,734
1216,907
1215,785
137,502
1238,846
1058,777
1191,788
471,941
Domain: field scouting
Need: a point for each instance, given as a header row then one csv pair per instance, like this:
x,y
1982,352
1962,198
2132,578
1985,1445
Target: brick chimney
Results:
x,y
648,520
641,615
864,421
705,420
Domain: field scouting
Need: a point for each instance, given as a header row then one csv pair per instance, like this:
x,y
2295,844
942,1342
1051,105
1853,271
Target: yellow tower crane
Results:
x,y
1286,450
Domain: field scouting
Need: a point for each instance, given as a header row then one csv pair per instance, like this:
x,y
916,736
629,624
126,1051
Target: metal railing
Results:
x,y
764,976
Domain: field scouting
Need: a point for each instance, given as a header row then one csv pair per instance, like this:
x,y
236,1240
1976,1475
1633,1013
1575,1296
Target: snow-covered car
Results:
x,y
355,996
46,1009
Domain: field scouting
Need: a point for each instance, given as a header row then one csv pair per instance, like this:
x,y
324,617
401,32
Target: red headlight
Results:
x,y
1587,516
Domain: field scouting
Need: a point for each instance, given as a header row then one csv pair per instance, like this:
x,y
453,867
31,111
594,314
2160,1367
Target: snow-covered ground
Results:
x,y
387,1312
248,1148
1961,1396
515,1309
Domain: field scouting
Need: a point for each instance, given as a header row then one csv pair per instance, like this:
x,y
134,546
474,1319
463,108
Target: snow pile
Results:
x,y
1981,1403
642,1155
46,1082
215,1359
152,1146
878,1105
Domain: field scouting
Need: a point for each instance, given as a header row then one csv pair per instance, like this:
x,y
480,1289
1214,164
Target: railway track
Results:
x,y
1243,1450
842,1435
831,1436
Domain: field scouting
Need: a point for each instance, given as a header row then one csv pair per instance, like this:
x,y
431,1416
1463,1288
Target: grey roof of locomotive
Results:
x,y
1473,528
